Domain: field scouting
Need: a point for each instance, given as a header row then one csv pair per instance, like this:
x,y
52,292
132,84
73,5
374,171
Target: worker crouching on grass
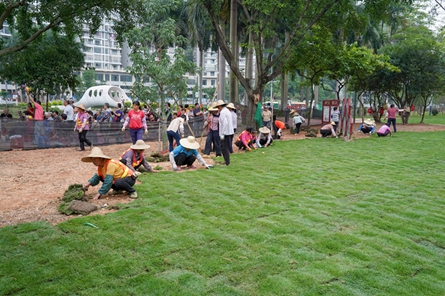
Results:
x,y
112,173
186,154
134,158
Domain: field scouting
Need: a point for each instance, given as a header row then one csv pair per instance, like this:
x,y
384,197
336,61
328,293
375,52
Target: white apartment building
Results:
x,y
103,53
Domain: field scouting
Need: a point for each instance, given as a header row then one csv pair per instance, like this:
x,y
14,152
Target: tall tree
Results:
x,y
30,19
271,47
49,66
158,73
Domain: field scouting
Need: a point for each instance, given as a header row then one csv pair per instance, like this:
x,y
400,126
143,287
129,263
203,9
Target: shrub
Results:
x,y
435,111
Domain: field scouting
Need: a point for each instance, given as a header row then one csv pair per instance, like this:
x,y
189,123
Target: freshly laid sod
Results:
x,y
308,217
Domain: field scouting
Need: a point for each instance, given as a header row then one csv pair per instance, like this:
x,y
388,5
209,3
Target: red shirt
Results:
x,y
392,112
137,119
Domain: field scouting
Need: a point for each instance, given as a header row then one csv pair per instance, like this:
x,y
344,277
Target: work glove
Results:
x,y
221,137
146,132
123,129
209,166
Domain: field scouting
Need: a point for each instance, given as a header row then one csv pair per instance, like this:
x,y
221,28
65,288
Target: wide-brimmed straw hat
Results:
x,y
212,107
189,143
220,103
140,145
369,121
81,106
95,153
231,106
332,122
264,130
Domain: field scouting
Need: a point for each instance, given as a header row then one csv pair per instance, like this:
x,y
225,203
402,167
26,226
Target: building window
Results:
x,y
126,78
97,42
204,82
98,65
213,82
107,77
212,73
114,77
97,50
100,77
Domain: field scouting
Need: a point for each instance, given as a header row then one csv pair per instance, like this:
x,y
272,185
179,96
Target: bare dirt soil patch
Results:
x,y
33,180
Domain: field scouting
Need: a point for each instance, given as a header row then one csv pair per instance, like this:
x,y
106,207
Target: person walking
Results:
x,y
137,122
82,127
225,129
298,120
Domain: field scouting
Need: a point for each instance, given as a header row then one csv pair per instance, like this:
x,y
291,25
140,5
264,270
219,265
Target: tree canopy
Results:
x,y
29,19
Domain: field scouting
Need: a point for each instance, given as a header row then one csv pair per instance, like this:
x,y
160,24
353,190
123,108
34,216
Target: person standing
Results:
x,y
118,114
225,129
335,117
38,116
82,127
30,110
136,120
175,130
391,115
68,110
232,109
106,114
6,114
212,123
267,116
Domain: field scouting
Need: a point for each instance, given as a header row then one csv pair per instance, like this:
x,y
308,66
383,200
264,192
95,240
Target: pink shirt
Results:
x,y
38,112
383,129
392,112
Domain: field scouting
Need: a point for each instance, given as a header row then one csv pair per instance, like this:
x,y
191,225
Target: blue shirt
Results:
x,y
178,150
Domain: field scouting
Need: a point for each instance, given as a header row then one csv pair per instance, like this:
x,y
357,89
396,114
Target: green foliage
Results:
x,y
47,66
157,75
29,20
435,111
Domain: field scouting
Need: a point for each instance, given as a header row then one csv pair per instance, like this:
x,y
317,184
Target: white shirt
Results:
x,y
234,119
68,110
175,124
225,122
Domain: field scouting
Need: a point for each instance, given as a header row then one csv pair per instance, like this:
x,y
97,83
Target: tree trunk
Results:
x,y
221,76
201,58
233,84
284,89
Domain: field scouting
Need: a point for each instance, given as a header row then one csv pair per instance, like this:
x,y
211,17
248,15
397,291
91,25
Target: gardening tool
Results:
x,y
91,225
190,129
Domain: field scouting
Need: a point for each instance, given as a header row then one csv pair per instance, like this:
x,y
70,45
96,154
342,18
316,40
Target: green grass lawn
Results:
x,y
309,217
